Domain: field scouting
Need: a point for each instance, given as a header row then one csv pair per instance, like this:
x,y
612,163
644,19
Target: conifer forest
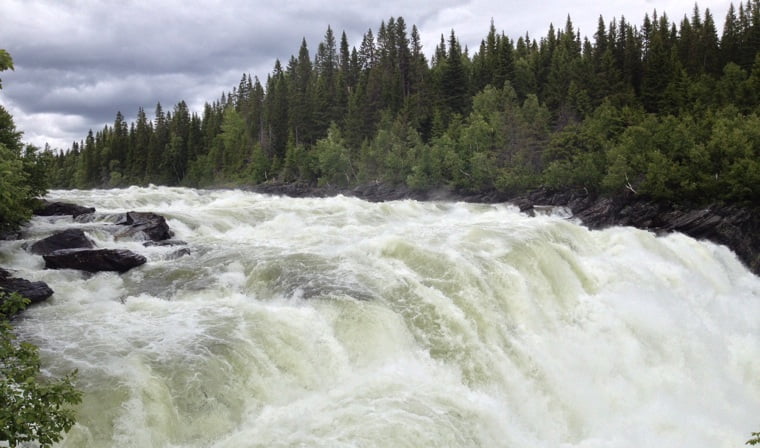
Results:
x,y
664,108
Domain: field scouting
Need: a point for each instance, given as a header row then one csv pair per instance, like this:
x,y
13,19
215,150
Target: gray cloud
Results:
x,y
78,62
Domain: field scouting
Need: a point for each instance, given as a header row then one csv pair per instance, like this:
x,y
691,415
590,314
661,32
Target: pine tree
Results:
x,y
454,79
299,99
658,68
730,41
367,57
325,107
255,117
276,113
155,163
136,158
177,153
711,62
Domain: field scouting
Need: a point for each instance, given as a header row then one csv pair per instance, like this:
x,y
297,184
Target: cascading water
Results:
x,y
342,323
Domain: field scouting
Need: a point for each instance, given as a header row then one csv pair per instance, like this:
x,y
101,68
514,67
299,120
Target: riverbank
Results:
x,y
735,226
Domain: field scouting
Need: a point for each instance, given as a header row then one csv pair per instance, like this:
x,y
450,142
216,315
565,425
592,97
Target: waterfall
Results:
x,y
343,323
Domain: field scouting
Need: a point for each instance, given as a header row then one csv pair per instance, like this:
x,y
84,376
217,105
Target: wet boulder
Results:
x,y
34,291
9,235
68,239
151,225
178,253
94,260
85,217
48,208
165,243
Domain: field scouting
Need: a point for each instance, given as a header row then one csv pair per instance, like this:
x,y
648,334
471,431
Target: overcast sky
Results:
x,y
78,62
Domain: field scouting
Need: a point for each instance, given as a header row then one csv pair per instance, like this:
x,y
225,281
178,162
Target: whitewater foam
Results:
x,y
342,323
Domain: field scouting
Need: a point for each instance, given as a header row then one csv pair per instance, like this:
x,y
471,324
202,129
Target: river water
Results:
x,y
342,323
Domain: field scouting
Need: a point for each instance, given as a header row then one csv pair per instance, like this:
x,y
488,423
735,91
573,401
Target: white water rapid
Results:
x,y
343,323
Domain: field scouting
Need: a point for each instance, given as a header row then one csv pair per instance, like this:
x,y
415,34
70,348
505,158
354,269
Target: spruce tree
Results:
x,y
454,79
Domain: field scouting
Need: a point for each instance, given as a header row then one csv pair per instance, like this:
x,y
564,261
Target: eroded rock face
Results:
x,y
34,291
153,226
94,260
68,239
737,227
62,209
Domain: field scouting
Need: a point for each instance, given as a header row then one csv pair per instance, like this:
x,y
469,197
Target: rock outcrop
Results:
x,y
94,260
178,253
62,209
737,227
153,226
68,239
34,291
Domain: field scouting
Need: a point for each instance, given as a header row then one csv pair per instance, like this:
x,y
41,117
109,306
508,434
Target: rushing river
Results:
x,y
343,323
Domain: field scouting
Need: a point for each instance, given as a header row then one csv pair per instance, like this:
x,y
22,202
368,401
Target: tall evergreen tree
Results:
x,y
300,97
454,79
276,110
155,160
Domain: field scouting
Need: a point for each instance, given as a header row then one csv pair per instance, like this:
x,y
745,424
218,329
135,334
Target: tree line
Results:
x,y
666,109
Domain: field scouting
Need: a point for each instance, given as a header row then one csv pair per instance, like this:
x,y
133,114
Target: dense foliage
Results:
x,y
32,409
23,169
666,110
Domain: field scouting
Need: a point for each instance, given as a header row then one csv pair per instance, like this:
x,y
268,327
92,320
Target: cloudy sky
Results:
x,y
78,62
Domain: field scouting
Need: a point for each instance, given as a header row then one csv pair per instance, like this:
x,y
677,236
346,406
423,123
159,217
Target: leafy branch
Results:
x,y
34,409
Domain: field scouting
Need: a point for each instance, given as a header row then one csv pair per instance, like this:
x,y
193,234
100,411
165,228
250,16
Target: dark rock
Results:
x,y
9,235
178,253
48,208
153,226
380,192
85,217
104,218
737,227
165,243
34,291
94,260
68,239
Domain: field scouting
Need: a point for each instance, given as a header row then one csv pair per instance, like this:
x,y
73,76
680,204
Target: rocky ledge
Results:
x,y
151,225
34,291
94,260
735,226
68,239
48,208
